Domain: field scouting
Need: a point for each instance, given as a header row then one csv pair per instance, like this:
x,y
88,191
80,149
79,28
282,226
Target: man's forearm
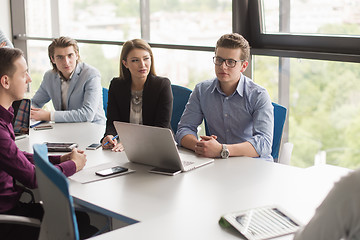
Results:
x,y
189,141
242,149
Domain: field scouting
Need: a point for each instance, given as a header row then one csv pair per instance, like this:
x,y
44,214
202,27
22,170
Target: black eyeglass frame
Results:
x,y
215,58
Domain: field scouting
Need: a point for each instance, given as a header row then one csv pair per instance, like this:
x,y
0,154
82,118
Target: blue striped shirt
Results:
x,y
3,38
246,115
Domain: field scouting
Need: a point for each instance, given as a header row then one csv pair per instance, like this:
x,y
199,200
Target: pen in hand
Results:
x,y
36,124
111,139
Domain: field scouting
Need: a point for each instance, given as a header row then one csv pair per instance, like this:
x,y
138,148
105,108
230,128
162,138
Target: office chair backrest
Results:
x,y
59,221
181,96
105,93
279,120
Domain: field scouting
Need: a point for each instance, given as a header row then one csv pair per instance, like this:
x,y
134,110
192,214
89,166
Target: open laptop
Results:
x,y
21,121
156,147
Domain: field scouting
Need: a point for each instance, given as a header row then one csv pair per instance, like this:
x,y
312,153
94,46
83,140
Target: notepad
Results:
x,y
261,223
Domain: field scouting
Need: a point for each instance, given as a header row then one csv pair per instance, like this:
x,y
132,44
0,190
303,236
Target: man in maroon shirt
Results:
x,y
15,164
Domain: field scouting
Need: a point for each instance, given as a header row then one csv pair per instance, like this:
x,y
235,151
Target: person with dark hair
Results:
x,y
137,95
16,165
238,112
73,86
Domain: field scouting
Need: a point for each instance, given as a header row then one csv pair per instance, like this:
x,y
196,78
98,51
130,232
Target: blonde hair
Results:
x,y
235,40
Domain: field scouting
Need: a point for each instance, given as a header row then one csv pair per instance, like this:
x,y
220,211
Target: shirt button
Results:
x,y
227,130
226,115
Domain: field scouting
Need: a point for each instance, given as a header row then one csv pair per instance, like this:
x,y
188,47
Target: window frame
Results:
x,y
321,47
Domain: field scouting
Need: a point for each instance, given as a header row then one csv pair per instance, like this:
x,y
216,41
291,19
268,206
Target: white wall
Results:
x,y
5,19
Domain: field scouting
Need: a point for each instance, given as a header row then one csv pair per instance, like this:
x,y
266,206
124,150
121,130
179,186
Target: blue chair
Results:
x,y
105,93
59,221
279,120
180,98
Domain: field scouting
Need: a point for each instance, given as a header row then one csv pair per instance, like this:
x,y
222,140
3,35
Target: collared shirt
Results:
x,y
18,165
65,83
246,115
64,94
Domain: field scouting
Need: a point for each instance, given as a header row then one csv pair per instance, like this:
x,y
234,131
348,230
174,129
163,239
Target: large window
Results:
x,y
324,114
304,52
320,95
314,16
191,22
171,22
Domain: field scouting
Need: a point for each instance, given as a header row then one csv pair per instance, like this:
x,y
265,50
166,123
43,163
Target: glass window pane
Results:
x,y
104,58
191,22
183,67
38,62
80,19
105,20
265,74
314,16
38,18
186,68
324,114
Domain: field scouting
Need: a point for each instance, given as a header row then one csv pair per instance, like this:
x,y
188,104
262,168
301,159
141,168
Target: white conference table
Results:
x,y
189,204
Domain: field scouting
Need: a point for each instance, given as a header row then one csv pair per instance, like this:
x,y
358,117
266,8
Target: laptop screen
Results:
x,y
21,121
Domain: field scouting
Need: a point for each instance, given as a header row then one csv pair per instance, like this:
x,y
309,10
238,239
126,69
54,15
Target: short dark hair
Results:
x,y
62,42
7,58
235,40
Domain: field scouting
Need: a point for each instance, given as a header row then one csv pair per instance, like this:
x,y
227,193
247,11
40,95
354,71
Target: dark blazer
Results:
x,y
156,108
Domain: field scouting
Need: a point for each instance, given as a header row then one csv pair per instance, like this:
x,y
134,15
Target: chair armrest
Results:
x,y
12,219
285,153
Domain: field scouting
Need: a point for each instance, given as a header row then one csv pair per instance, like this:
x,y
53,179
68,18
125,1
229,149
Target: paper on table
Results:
x,y
88,175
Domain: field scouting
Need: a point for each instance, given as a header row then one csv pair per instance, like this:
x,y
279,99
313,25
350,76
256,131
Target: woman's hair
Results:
x,y
62,42
126,49
235,40
7,58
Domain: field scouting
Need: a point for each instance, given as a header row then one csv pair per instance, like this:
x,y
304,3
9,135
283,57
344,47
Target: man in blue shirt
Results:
x,y
238,112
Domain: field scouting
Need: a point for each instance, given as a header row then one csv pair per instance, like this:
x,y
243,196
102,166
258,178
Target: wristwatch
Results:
x,y
224,152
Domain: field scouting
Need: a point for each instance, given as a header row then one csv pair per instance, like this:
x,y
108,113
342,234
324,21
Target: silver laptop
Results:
x,y
156,147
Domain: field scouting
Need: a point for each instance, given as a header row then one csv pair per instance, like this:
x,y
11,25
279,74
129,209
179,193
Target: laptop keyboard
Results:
x,y
187,163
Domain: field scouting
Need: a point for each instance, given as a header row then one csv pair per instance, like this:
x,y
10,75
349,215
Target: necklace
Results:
x,y
136,101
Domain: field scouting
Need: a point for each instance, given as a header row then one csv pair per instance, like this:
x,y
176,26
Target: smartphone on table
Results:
x,y
43,127
93,146
111,171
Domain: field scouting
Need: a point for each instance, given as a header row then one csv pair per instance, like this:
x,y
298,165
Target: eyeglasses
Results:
x,y
228,62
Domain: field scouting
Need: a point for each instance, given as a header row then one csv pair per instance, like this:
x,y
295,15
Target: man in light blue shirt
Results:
x,y
238,112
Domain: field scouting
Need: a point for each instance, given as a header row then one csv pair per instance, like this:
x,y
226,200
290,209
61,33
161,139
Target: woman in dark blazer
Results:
x,y
138,95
